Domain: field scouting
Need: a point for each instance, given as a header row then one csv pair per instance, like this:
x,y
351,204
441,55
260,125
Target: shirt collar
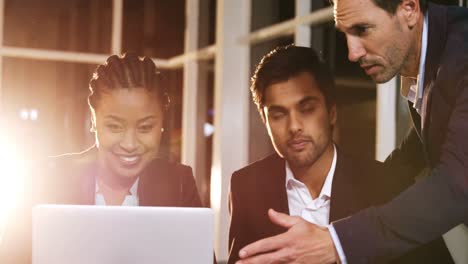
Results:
x,y
133,189
412,89
327,185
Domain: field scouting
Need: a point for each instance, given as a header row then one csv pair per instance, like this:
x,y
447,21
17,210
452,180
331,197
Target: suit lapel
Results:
x,y
278,198
416,118
344,201
437,29
154,187
437,34
272,194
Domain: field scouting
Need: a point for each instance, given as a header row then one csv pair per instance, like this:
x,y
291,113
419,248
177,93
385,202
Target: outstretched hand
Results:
x,y
304,242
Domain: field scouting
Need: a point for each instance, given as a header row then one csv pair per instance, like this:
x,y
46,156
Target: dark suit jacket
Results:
x,y
439,140
70,179
261,185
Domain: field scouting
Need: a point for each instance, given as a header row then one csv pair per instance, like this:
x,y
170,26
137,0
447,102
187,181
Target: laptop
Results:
x,y
78,234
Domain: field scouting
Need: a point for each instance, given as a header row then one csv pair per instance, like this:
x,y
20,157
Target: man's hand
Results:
x,y
304,242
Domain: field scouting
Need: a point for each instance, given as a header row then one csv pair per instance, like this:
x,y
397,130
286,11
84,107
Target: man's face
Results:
x,y
379,41
298,120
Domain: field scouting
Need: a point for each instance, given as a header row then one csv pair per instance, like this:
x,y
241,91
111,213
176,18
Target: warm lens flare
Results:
x,y
11,179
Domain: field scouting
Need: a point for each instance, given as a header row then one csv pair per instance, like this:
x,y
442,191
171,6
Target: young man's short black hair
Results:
x,y
286,62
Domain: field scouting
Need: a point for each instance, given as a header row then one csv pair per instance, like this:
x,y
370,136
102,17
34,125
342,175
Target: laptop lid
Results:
x,y
78,234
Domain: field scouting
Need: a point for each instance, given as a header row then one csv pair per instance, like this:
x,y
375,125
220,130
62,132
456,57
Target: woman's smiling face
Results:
x,y
128,125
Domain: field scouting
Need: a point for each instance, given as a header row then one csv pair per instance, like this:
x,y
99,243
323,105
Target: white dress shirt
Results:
x,y
302,204
412,90
130,200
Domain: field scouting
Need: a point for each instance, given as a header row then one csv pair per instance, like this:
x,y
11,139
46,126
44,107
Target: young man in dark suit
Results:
x,y
307,177
428,46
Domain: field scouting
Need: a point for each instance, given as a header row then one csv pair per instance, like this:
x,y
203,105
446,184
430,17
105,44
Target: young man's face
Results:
x,y
379,41
298,120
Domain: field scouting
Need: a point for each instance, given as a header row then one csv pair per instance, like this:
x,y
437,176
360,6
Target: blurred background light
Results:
x,y
208,129
11,179
33,114
24,114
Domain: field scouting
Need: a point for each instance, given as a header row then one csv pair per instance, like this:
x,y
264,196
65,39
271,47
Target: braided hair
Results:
x,y
127,71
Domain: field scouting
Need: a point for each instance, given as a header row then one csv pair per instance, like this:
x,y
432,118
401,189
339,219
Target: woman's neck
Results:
x,y
112,187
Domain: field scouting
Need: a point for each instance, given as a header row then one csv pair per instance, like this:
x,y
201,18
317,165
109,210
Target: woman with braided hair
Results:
x,y
128,103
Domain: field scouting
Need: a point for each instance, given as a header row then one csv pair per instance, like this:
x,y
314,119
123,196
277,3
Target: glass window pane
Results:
x,y
154,28
72,25
45,105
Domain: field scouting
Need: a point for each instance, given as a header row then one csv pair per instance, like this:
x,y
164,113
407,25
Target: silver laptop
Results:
x,y
76,234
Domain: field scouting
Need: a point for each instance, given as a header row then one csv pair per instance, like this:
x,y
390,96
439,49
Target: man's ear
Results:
x,y
410,10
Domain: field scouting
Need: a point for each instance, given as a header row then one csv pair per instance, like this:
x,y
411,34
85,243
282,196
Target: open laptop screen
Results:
x,y
119,235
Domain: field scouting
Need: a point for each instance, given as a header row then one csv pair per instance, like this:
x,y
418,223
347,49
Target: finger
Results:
x,y
283,220
279,256
263,245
